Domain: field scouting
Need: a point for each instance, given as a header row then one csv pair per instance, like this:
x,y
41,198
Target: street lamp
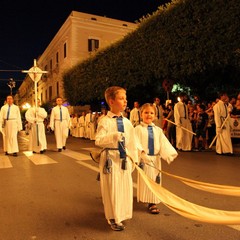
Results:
x,y
11,83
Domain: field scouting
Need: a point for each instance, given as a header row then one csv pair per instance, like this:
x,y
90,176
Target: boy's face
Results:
x,y
120,102
148,115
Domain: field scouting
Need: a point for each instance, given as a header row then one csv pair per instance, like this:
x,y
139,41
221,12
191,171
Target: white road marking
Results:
x,y
76,155
39,159
236,227
5,162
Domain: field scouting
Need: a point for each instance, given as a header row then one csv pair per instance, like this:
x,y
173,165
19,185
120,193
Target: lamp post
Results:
x,y
11,83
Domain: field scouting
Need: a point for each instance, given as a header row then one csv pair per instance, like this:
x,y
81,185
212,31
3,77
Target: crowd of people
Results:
x,y
189,125
11,124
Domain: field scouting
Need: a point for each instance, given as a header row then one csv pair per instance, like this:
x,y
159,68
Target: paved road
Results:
x,y
55,196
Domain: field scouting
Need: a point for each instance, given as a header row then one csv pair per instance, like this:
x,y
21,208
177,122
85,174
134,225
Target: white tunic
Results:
x,y
81,127
159,116
75,127
37,136
223,143
135,118
10,127
60,128
89,126
116,187
183,137
162,149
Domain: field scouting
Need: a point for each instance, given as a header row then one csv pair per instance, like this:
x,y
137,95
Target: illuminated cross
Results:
x,y
35,73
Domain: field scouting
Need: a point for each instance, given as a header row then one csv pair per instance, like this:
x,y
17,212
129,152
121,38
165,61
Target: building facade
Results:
x,y
79,37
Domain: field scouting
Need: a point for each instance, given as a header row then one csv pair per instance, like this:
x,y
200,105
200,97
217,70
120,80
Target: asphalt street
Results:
x,y
55,196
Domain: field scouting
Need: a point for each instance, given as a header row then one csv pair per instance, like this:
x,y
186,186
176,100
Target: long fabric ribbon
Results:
x,y
208,187
188,209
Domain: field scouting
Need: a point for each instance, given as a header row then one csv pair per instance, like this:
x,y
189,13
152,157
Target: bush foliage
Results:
x,y
195,43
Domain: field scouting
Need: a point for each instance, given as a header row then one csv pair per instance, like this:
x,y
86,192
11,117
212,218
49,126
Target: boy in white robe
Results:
x,y
60,124
151,158
115,168
37,136
10,125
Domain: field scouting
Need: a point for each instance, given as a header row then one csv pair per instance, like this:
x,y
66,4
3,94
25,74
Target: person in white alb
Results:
x,y
10,125
81,125
60,124
183,137
37,137
135,118
222,121
115,134
89,121
158,121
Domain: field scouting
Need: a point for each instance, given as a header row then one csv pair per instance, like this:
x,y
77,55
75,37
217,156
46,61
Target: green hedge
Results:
x,y
193,42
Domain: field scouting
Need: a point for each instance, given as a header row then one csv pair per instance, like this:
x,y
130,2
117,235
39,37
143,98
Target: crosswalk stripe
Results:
x,y
76,155
5,162
39,159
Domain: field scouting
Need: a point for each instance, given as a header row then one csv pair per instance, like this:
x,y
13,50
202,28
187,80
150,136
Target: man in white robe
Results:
x,y
60,124
222,121
89,121
81,126
135,118
10,125
183,137
37,137
159,113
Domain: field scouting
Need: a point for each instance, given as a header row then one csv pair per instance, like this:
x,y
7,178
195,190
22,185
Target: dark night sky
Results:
x,y
27,27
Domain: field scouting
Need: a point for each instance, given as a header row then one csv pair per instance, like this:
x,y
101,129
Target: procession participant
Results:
x,y
135,118
37,137
222,121
183,137
60,124
10,125
74,121
152,145
89,121
159,113
82,125
115,133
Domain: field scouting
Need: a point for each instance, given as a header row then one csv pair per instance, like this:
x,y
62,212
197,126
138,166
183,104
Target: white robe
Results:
x,y
81,127
60,128
37,136
162,149
10,128
159,116
183,137
116,187
223,143
74,127
135,118
89,126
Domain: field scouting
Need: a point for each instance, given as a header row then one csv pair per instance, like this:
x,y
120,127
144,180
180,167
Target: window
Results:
x,y
93,45
57,58
65,50
50,65
57,89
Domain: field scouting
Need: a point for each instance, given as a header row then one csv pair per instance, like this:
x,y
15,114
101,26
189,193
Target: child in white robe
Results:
x,y
151,160
116,170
